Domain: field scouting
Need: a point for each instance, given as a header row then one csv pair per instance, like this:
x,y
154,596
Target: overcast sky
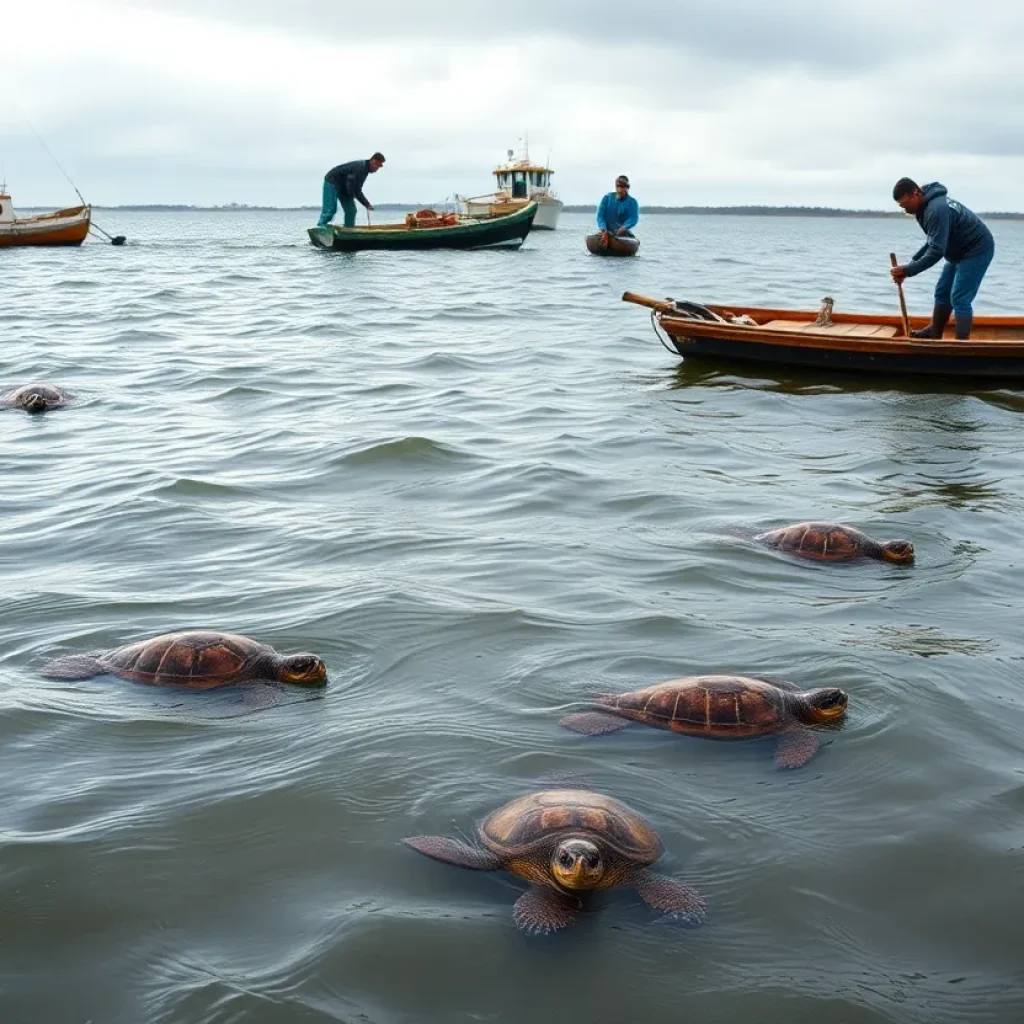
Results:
x,y
805,102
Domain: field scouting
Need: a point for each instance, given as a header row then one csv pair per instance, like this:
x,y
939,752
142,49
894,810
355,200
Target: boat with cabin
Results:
x,y
862,342
62,227
520,181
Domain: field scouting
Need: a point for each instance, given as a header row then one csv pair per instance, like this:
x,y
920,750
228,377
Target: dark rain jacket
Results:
x,y
348,179
953,231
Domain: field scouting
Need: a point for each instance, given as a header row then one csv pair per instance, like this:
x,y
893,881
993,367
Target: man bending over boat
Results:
x,y
618,211
958,234
344,184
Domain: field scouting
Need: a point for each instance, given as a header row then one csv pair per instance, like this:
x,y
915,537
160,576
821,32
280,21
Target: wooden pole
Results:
x,y
903,301
643,300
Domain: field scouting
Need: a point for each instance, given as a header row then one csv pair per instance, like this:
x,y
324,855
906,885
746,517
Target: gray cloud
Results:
x,y
800,102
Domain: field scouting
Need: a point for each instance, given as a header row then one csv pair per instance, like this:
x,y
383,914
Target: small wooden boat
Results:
x,y
603,243
63,227
862,342
451,231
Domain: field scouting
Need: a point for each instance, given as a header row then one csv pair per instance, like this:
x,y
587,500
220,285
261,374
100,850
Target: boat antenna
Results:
x,y
114,239
42,142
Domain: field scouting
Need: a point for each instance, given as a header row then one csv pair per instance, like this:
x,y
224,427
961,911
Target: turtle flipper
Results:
x,y
795,748
453,852
662,893
74,666
593,723
541,910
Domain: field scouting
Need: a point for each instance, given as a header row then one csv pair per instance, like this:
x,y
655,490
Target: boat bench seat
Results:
x,y
847,330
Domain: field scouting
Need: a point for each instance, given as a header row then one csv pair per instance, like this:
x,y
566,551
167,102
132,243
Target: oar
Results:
x,y
114,239
903,301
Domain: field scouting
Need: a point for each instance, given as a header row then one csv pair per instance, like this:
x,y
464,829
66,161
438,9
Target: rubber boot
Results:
x,y
963,325
940,317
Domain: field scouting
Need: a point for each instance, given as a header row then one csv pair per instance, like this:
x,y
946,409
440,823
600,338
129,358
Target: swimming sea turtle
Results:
x,y
35,397
198,660
831,542
722,707
566,842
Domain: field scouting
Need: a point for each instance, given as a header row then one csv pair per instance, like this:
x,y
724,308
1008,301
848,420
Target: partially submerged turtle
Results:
x,y
722,707
831,542
35,397
198,660
566,842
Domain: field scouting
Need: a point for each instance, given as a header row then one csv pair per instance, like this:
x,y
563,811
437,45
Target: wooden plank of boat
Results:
x,y
616,245
62,227
507,232
866,342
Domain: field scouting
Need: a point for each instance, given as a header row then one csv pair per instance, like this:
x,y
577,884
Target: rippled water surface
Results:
x,y
479,489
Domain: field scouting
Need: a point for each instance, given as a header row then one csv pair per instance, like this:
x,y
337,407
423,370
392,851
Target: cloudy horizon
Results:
x,y
208,102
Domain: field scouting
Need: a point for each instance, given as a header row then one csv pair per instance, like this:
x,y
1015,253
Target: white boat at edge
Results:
x,y
519,181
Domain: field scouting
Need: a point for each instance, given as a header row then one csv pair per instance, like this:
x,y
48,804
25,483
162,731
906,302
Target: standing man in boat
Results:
x,y
618,211
344,184
958,234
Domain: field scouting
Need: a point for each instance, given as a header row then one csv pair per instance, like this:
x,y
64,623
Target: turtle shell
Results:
x,y
723,707
825,541
197,660
538,820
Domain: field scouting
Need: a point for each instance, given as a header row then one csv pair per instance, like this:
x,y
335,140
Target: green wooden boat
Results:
x,y
505,231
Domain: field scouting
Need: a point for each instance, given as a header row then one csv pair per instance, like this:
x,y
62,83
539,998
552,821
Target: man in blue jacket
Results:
x,y
618,211
344,184
958,234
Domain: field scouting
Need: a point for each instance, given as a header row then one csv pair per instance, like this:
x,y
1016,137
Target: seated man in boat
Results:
x,y
618,211
344,184
958,234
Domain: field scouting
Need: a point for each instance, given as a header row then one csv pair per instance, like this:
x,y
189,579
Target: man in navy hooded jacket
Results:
x,y
957,234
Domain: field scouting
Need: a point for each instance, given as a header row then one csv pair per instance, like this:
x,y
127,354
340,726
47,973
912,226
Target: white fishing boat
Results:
x,y
520,181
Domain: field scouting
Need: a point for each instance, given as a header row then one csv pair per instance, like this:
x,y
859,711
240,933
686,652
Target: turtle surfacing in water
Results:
x,y
566,842
35,397
197,660
831,542
722,707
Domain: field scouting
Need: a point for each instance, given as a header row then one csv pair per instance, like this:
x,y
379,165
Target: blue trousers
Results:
x,y
959,282
330,207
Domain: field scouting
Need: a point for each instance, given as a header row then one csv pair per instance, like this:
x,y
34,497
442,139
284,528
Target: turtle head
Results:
x,y
33,402
899,551
818,707
302,670
577,864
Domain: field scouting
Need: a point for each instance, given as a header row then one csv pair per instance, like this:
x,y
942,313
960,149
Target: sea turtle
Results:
x,y
831,542
722,707
198,660
35,397
566,842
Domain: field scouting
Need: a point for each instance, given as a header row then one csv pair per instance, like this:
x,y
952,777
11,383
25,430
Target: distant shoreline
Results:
x,y
734,211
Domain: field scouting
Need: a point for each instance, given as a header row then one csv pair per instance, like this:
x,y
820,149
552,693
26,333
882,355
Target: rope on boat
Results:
x,y
658,332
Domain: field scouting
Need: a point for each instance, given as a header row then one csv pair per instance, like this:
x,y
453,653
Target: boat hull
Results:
x,y
504,232
617,245
859,343
63,228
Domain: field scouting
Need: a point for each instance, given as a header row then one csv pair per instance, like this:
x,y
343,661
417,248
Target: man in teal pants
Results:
x,y
344,184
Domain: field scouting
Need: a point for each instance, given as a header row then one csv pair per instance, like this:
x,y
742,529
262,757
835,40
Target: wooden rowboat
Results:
x,y
506,231
862,342
616,245
63,227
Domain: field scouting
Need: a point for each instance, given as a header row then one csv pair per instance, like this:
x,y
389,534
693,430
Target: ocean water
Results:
x,y
479,489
